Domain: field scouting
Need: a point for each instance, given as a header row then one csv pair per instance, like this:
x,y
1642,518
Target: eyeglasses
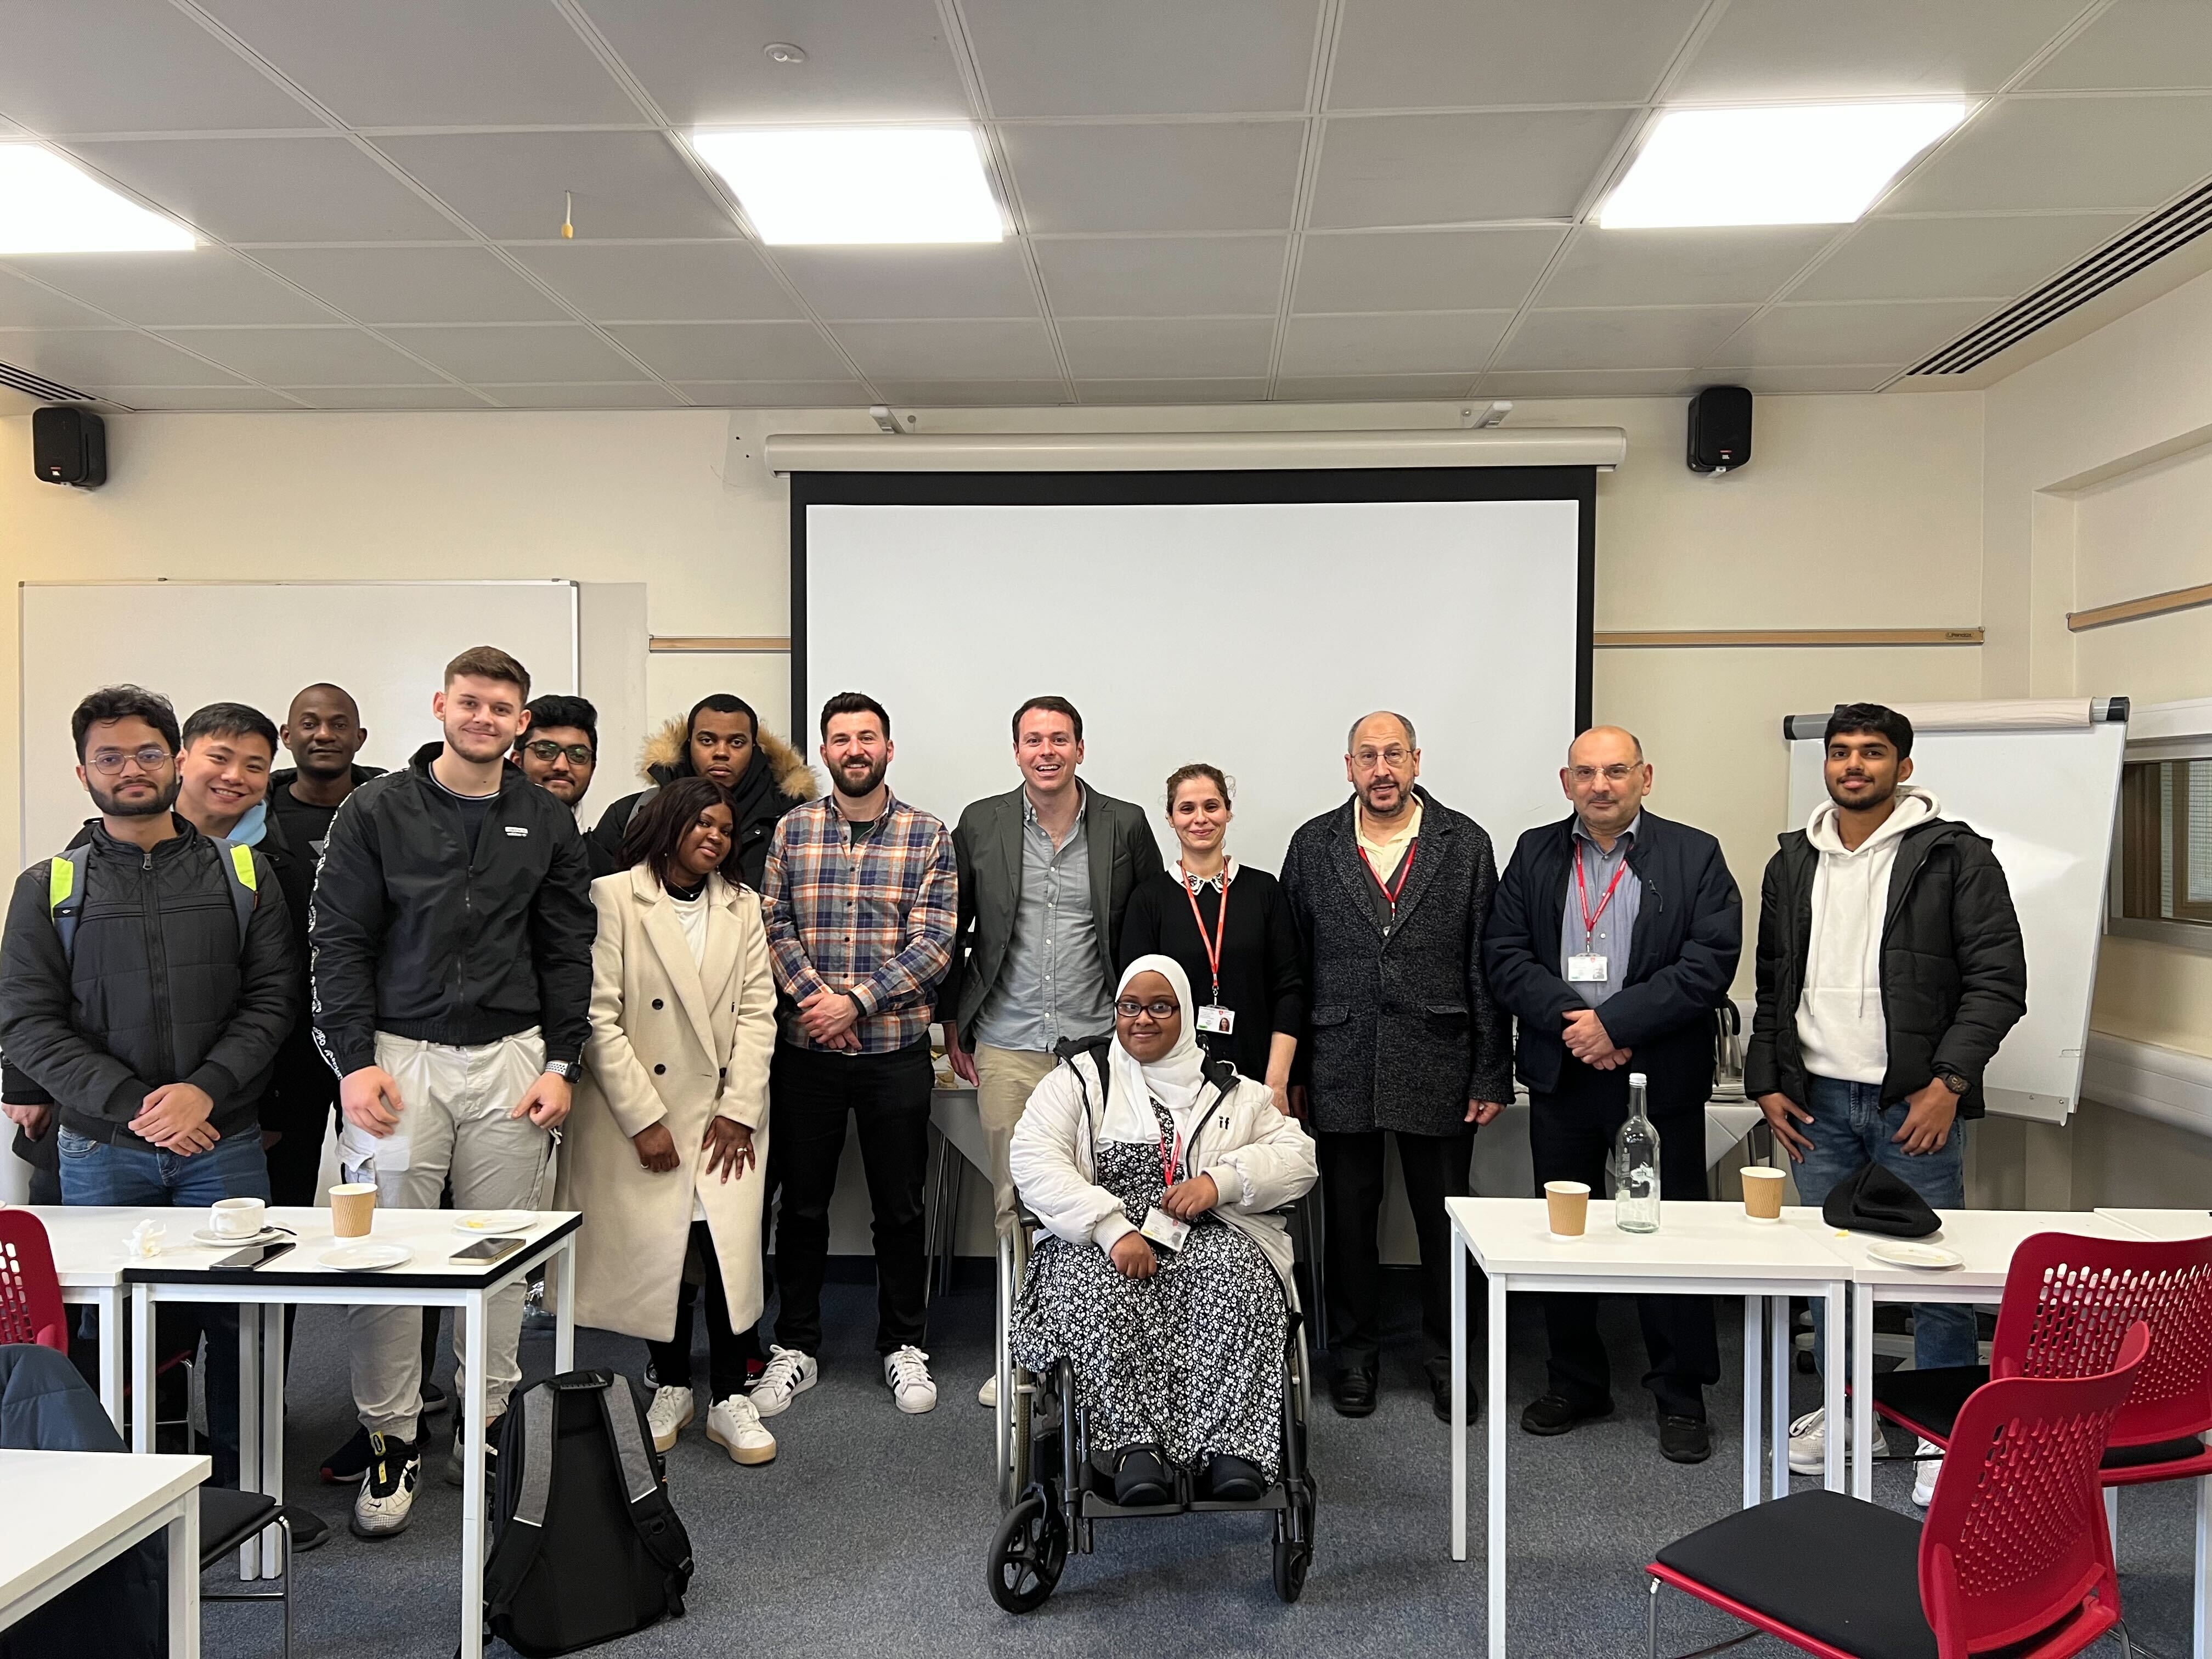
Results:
x,y
1617,774
1396,756
109,762
579,753
1129,1008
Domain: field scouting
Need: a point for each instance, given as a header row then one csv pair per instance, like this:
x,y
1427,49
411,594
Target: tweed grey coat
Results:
x,y
1404,1031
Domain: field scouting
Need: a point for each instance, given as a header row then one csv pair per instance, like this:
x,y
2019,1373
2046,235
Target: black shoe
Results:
x,y
308,1530
1554,1413
435,1399
1353,1392
1685,1439
347,1464
1140,1478
1440,1393
1232,1481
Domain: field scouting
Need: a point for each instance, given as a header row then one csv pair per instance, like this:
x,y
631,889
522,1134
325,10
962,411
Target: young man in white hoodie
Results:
x,y
1890,967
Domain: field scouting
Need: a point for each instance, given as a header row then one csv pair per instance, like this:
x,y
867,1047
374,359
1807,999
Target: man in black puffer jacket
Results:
x,y
719,740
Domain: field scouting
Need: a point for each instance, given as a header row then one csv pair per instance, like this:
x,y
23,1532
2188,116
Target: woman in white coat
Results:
x,y
1163,1281
670,1127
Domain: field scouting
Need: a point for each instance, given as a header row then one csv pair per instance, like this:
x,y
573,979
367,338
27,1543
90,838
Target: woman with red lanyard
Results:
x,y
1228,927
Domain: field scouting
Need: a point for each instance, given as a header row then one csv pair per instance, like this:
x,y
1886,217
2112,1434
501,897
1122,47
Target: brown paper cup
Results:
x,y
352,1208
1762,1193
1568,1204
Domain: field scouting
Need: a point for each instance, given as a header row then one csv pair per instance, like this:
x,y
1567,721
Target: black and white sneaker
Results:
x,y
385,1502
456,1465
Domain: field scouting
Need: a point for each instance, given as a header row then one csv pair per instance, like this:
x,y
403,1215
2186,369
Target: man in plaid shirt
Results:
x,y
861,900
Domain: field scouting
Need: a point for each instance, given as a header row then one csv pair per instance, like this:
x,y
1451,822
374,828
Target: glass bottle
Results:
x,y
1636,1167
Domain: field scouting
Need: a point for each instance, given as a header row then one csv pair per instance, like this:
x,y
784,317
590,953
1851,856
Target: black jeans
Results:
x,y
1435,1168
810,1092
1570,1134
296,1160
725,1358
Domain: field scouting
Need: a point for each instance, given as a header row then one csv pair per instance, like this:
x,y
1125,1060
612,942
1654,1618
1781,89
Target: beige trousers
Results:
x,y
1005,1078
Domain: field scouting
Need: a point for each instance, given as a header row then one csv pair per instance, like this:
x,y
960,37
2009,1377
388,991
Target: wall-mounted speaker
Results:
x,y
68,446
1720,429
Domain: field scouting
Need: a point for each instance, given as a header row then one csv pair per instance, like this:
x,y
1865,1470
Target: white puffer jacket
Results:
x,y
1260,1159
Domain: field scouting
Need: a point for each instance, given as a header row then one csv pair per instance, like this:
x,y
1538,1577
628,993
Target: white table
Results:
x,y
68,1513
1710,1248
2162,1224
432,1279
90,1247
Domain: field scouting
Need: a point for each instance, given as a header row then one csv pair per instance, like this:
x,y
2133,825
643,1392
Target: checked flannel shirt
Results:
x,y
872,917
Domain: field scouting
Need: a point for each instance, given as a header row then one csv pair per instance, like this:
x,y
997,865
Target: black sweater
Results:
x,y
1260,975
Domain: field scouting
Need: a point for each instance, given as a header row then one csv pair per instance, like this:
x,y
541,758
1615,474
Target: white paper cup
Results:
x,y
1762,1193
237,1218
1568,1203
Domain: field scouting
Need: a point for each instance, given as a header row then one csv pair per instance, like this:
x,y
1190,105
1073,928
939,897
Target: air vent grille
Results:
x,y
37,386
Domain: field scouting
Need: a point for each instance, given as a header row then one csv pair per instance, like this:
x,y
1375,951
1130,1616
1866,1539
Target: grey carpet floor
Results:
x,y
867,1533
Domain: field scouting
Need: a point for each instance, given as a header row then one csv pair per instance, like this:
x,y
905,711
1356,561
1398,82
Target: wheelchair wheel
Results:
x,y
1027,1554
1294,1543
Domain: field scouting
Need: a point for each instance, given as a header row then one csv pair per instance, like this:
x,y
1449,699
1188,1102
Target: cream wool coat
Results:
x,y
675,1042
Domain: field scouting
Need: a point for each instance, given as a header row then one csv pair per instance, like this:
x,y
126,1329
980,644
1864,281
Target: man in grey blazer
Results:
x,y
1046,872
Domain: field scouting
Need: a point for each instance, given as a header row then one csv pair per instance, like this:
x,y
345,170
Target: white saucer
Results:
x,y
266,1236
359,1258
476,1223
1906,1253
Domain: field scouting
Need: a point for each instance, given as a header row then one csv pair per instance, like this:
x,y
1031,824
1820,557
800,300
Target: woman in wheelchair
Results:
x,y
1163,1280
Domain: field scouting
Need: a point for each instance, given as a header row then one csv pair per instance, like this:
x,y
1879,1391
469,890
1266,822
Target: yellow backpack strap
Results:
x,y
61,882
65,885
242,861
238,867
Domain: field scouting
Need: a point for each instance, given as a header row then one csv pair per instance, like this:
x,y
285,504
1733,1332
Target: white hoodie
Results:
x,y
1840,1026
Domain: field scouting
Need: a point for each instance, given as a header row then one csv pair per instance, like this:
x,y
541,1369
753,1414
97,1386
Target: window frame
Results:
x,y
2186,738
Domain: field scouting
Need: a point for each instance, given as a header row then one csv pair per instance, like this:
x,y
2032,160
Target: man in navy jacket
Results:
x,y
1614,937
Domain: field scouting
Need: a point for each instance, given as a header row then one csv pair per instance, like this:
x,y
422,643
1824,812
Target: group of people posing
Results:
x,y
703,989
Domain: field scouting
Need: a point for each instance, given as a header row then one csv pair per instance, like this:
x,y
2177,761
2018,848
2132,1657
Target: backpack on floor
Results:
x,y
586,1545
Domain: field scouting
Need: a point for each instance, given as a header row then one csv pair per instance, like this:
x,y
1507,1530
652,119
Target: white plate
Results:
x,y
479,1221
266,1236
359,1258
1906,1253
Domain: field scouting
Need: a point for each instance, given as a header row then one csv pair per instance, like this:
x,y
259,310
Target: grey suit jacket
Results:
x,y
987,845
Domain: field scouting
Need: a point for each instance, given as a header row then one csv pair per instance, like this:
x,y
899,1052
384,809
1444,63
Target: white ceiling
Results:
x,y
1233,201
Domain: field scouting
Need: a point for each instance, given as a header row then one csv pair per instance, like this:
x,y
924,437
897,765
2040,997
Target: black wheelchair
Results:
x,y
1052,1492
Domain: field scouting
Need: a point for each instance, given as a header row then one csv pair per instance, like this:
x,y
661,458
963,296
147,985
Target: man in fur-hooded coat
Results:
x,y
721,739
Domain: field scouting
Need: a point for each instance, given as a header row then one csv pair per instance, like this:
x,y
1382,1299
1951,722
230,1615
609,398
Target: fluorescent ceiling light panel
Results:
x,y
1803,164
48,206
858,184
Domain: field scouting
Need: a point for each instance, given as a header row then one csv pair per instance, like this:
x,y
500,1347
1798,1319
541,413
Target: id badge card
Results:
x,y
1165,1229
1217,1021
1586,969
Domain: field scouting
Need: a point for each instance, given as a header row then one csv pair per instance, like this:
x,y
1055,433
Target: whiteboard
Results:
x,y
2046,798
259,642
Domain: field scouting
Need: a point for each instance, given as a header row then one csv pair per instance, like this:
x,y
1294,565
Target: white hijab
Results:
x,y
1173,1079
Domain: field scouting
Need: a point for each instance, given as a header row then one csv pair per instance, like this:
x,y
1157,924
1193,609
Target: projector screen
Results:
x,y
1242,618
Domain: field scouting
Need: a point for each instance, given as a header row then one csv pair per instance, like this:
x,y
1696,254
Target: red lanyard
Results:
x,y
1590,919
1220,933
1171,1156
1391,890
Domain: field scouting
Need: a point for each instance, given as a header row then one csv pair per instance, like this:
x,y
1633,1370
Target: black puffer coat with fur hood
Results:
x,y
776,779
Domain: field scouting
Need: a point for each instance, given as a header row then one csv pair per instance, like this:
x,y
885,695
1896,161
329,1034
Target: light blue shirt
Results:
x,y
1052,983
1611,937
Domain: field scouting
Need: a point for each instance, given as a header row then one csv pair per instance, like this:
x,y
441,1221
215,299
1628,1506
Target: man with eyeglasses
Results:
x,y
1390,892
1614,937
145,984
559,751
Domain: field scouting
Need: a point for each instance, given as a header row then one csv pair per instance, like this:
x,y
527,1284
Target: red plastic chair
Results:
x,y
2069,1302
30,1295
2014,1553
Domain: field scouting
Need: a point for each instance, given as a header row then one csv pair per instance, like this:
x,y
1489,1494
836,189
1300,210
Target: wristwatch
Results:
x,y
1953,1082
566,1070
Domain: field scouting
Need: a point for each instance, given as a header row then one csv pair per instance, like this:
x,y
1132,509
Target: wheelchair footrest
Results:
x,y
1098,1507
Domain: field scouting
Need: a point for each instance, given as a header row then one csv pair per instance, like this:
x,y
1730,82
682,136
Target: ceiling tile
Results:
x,y
513,186
1422,269
2081,153
443,395
525,352
273,189
1453,169
1652,338
431,63
2138,43
198,396
865,59
1785,381
94,359
1946,259
1252,390
985,280
129,66
414,284
207,285
26,305
732,351
1706,266
1411,342
1394,54
1370,388
1588,383
1198,176
584,394
777,394
975,394
1796,336
1142,57
1161,348
677,281
302,356
1162,276
949,350
1770,49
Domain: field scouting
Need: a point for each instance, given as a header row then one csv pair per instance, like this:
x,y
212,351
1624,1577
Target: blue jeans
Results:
x,y
142,1177
1850,1127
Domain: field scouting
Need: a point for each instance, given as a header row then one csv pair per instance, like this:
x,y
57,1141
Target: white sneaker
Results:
x,y
1925,1471
1809,1443
385,1502
734,1425
788,1372
906,1373
670,1415
988,1395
